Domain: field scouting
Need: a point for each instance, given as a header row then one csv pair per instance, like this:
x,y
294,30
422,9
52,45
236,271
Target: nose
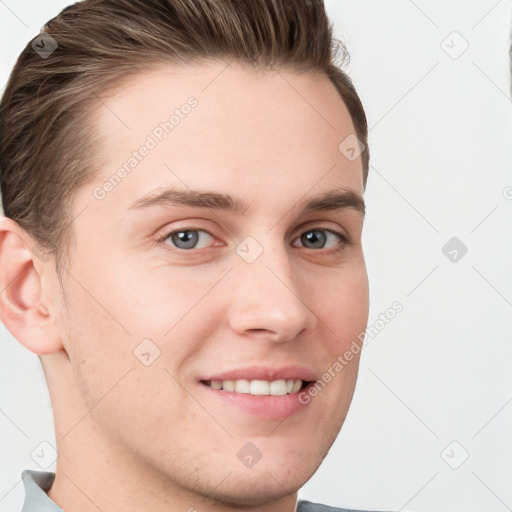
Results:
x,y
269,298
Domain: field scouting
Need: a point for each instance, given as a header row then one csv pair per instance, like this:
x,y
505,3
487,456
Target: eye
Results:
x,y
185,239
317,238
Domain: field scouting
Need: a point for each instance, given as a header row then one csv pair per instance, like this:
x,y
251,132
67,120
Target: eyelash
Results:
x,y
344,240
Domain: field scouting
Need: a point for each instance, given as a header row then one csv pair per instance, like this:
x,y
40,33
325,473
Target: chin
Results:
x,y
256,489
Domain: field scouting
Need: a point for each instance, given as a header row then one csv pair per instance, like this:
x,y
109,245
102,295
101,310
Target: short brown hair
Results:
x,y
46,145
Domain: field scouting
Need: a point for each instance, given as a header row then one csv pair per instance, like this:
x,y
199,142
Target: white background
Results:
x,y
440,140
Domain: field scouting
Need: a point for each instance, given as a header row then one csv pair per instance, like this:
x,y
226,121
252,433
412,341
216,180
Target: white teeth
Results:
x,y
278,387
216,384
258,387
296,386
228,385
242,386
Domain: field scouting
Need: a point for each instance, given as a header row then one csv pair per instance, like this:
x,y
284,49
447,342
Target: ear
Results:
x,y
22,311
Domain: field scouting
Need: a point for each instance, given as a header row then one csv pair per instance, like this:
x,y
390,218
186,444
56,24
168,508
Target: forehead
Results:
x,y
217,124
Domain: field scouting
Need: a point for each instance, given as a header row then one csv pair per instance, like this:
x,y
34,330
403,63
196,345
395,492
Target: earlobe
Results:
x,y
21,308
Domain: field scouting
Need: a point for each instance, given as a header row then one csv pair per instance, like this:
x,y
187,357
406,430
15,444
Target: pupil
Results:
x,y
187,239
315,236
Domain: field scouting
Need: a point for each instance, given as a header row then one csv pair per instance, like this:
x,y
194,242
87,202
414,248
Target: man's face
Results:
x,y
271,293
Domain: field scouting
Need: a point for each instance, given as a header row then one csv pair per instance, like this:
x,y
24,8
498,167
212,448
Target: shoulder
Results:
x,y
308,506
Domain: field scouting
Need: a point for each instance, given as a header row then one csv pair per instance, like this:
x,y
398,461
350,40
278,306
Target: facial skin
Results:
x,y
133,437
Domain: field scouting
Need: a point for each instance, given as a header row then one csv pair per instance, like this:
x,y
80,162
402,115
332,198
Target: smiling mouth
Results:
x,y
256,387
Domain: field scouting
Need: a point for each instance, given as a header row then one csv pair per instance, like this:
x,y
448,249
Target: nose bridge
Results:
x,y
268,295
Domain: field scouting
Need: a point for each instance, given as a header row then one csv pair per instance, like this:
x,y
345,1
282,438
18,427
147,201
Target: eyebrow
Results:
x,y
337,199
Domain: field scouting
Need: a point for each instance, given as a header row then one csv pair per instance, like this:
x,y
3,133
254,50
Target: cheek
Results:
x,y
343,305
103,333
98,347
127,312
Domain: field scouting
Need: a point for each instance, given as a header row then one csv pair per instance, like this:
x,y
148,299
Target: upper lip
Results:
x,y
265,373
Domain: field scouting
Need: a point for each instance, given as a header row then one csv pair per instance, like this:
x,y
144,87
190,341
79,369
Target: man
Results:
x,y
182,184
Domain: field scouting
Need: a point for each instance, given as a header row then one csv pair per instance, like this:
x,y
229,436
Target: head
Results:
x,y
182,187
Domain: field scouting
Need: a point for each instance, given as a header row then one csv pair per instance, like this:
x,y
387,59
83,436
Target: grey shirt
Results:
x,y
38,482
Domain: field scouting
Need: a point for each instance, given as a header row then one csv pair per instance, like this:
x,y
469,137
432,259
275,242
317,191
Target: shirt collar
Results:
x,y
36,484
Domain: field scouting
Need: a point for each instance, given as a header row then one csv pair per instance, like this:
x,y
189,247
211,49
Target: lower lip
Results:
x,y
266,407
